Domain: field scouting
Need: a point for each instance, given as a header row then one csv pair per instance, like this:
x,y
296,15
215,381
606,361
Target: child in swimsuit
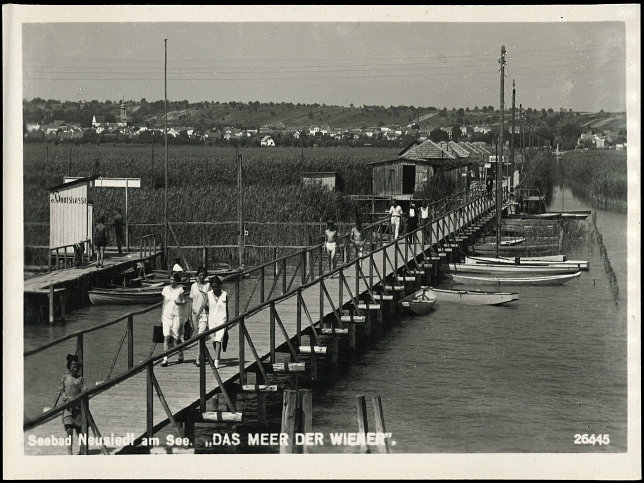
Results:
x,y
356,238
71,385
331,243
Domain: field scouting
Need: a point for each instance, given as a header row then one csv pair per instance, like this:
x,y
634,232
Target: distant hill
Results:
x,y
547,124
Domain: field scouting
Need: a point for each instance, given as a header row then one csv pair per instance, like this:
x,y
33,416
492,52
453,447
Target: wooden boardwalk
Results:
x,y
122,409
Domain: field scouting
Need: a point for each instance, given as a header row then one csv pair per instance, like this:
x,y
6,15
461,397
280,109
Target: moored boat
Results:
x,y
107,296
508,280
511,269
473,297
528,262
532,249
420,302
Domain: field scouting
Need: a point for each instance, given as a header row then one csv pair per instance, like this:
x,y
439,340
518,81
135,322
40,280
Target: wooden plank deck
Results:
x,y
41,282
121,410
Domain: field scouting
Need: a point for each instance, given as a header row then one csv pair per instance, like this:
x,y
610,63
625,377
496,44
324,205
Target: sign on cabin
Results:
x,y
69,212
328,179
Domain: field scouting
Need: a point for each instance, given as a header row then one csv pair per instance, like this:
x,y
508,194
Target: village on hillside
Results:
x,y
603,132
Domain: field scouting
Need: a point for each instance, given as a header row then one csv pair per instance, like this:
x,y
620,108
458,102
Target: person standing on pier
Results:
x,y
356,238
424,215
396,212
331,243
70,386
119,229
171,312
217,314
199,295
100,241
412,222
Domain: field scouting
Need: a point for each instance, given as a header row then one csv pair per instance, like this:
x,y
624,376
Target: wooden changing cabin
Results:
x,y
399,178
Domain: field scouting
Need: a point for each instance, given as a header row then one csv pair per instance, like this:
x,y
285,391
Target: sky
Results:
x,y
574,65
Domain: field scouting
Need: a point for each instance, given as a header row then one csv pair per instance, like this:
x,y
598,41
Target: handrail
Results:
x,y
72,247
201,338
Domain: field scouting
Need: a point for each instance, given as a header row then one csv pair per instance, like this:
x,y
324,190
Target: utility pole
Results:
x,y
499,159
240,207
514,92
521,115
165,134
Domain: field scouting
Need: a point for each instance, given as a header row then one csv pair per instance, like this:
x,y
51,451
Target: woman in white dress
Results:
x,y
199,295
171,316
217,314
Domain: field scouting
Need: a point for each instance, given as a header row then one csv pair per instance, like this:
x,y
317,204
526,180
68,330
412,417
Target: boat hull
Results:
x,y
473,297
419,303
511,269
490,249
528,262
122,297
506,280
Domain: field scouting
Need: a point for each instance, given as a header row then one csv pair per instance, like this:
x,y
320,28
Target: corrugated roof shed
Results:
x,y
427,150
454,149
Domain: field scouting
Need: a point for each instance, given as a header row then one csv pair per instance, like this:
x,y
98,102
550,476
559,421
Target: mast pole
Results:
x,y
165,135
499,180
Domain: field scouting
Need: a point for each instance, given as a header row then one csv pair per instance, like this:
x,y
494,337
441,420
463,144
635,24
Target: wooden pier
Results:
x,y
48,296
298,330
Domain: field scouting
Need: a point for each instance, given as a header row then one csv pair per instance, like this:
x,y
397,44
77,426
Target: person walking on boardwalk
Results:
x,y
171,313
357,239
100,241
217,314
424,215
199,295
70,386
119,229
396,212
412,222
331,243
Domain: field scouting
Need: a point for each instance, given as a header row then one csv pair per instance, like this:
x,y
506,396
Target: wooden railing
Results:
x,y
75,254
417,243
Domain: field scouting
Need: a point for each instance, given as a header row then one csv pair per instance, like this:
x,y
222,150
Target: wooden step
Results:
x,y
318,349
453,245
418,272
220,417
378,296
369,306
395,288
407,279
357,319
286,367
442,251
336,331
459,238
258,388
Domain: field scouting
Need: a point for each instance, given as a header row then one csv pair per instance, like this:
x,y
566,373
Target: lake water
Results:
x,y
522,378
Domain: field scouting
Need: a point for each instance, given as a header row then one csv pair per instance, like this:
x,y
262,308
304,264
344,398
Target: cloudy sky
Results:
x,y
412,60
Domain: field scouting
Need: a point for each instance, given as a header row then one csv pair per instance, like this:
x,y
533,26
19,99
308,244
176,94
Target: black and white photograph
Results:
x,y
384,241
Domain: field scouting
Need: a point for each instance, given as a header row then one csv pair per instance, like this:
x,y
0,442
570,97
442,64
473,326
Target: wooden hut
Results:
x,y
416,164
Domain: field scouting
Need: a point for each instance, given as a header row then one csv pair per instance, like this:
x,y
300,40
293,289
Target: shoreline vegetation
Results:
x,y
600,176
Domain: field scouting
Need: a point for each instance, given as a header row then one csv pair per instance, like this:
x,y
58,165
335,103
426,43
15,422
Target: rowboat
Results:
x,y
420,302
506,241
506,280
511,269
473,297
527,262
490,249
544,258
109,296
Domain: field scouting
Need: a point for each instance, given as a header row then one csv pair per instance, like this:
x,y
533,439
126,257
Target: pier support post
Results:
x,y
289,411
379,421
306,405
130,341
51,304
363,425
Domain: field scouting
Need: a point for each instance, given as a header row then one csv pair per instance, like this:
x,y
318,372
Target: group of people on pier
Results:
x,y
101,236
207,307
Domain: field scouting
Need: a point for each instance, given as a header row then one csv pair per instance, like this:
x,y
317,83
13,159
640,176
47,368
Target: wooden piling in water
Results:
x,y
289,411
363,424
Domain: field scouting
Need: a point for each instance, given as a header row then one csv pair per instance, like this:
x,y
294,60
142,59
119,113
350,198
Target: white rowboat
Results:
x,y
506,280
473,297
527,262
511,269
420,302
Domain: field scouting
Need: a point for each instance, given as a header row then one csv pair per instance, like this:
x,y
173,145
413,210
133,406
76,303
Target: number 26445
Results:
x,y
600,439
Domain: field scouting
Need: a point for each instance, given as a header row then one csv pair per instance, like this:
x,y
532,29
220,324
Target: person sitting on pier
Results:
x,y
171,316
331,243
396,212
177,268
71,385
199,295
100,241
217,314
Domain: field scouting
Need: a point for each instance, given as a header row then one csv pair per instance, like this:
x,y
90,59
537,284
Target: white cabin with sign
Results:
x,y
70,212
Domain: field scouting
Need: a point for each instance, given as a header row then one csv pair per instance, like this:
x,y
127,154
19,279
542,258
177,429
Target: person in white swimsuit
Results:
x,y
217,314
396,213
199,295
331,243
